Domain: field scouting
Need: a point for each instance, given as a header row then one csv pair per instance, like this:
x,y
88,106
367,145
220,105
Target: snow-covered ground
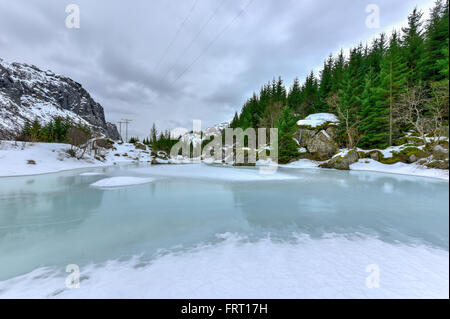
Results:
x,y
17,159
39,158
399,168
374,166
335,267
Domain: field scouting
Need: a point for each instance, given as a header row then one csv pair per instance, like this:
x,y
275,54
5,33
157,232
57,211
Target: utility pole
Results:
x,y
120,129
126,122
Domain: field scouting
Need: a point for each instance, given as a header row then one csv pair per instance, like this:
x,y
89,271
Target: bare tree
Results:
x,y
271,115
346,118
438,107
79,141
411,109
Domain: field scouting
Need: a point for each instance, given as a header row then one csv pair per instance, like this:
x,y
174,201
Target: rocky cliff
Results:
x,y
28,93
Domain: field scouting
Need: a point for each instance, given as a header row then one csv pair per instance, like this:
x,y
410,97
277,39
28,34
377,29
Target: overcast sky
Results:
x,y
170,62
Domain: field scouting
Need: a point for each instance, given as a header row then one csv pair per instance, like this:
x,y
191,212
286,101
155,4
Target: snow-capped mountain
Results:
x,y
196,137
28,93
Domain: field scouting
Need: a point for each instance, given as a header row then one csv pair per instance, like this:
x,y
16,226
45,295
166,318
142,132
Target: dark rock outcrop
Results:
x,y
28,93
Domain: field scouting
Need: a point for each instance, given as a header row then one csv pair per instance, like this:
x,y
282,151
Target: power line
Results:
x,y
195,38
176,34
214,40
211,42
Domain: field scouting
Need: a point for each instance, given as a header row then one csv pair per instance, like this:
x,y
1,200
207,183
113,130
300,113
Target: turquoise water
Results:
x,y
58,219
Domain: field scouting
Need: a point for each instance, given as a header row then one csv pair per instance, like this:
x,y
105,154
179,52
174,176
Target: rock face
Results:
x,y
342,163
318,143
28,93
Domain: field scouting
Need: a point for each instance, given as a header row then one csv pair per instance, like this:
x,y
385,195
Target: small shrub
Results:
x,y
31,162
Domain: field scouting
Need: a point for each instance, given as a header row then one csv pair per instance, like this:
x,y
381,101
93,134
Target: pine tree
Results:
x,y
153,134
353,84
325,82
374,124
310,95
376,53
413,45
287,146
393,76
294,97
235,122
436,34
337,73
443,64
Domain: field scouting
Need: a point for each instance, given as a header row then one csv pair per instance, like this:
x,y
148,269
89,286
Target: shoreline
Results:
x,y
49,159
444,177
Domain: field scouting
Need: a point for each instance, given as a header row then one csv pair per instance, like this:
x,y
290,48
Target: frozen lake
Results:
x,y
192,231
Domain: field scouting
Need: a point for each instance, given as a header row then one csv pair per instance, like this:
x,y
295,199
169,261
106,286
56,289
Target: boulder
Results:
x,y
342,163
105,143
375,155
140,146
305,136
412,158
322,145
332,132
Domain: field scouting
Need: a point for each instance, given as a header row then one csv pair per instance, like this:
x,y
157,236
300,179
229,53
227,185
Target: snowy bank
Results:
x,y
399,168
19,158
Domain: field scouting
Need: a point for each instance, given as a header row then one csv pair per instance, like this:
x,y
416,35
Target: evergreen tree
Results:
x,y
443,64
393,76
436,34
310,95
413,45
153,134
294,97
338,72
374,118
325,82
287,146
235,122
353,84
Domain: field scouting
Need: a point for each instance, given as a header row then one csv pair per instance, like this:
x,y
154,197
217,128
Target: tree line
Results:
x,y
57,130
379,91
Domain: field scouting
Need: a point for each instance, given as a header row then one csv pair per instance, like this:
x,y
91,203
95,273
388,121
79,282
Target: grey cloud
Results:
x,y
116,51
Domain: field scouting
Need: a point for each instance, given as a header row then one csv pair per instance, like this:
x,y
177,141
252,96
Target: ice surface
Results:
x,y
204,171
121,181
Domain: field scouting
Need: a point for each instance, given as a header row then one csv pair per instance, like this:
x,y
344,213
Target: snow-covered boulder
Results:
x,y
317,133
321,145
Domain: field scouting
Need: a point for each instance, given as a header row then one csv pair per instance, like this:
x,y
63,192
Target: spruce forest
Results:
x,y
379,91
